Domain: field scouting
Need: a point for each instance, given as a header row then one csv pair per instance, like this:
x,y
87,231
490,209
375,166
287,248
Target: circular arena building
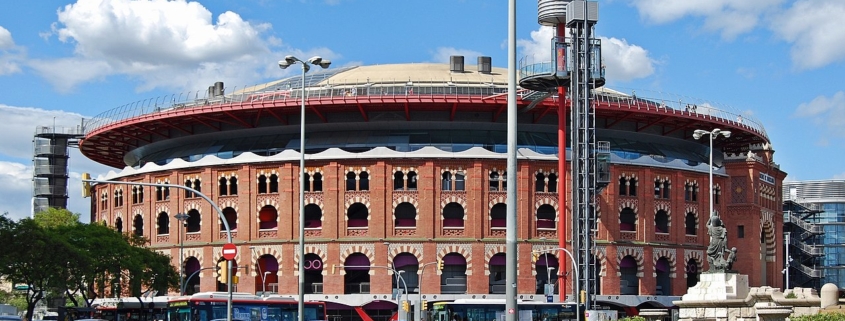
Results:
x,y
405,168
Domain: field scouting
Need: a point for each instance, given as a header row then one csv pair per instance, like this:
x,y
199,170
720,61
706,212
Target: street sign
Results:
x,y
229,251
550,298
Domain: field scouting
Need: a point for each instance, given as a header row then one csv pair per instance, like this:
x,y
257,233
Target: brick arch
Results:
x,y
406,199
358,199
694,210
666,207
454,171
405,248
405,171
546,200
493,250
453,199
312,199
197,253
601,257
265,202
160,209
462,250
226,175
670,255
274,251
768,231
496,200
266,172
629,204
357,249
234,206
636,253
694,255
355,170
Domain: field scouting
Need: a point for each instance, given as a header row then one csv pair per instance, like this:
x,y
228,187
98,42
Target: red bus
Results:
x,y
209,306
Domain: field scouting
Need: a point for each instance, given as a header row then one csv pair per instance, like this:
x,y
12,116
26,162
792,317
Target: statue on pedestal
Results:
x,y
719,246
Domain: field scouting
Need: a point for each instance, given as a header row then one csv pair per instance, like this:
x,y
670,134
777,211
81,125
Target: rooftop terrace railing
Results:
x,y
355,90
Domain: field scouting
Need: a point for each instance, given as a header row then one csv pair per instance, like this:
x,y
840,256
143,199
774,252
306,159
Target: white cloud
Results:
x,y
728,17
10,55
826,111
538,48
164,44
815,30
6,41
16,159
16,189
624,61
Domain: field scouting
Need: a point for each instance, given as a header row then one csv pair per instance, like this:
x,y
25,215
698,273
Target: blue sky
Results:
x,y
779,61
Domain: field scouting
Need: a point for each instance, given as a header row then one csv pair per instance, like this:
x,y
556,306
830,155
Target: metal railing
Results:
x,y
357,91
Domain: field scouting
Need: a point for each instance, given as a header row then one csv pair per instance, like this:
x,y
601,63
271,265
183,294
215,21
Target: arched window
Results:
x,y
194,220
163,222
446,181
233,186
274,183
453,215
351,183
664,282
357,277
453,278
313,216
627,220
231,218
406,215
262,184
398,181
118,225
692,272
546,217
540,183
138,225
268,218
691,224
498,216
357,216
552,183
364,181
629,283
412,181
222,186
317,182
661,221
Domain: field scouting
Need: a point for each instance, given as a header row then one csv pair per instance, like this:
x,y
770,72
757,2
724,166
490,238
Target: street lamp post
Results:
x,y
571,258
181,217
284,64
549,289
419,286
264,283
786,264
713,134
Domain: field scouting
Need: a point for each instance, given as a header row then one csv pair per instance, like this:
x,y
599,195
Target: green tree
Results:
x,y
31,255
55,217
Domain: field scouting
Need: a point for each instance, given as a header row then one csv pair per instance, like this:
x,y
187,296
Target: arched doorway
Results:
x,y
267,276
192,277
547,270
629,283
313,274
453,279
664,283
357,277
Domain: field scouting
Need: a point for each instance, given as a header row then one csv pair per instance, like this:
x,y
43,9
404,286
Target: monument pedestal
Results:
x,y
721,296
718,286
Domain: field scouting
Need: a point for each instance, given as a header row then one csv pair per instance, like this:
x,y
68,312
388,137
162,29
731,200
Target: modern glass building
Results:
x,y
820,207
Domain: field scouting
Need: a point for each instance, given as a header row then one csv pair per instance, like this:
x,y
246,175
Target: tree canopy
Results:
x,y
55,253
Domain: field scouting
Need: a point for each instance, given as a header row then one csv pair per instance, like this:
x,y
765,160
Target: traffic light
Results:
x,y
334,267
535,256
86,186
424,305
405,306
222,273
440,265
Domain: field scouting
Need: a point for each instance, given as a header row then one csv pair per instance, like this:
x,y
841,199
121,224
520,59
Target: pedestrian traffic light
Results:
x,y
440,264
86,186
222,273
405,306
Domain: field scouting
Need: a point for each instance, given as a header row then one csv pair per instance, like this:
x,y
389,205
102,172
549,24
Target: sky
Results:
x,y
779,61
